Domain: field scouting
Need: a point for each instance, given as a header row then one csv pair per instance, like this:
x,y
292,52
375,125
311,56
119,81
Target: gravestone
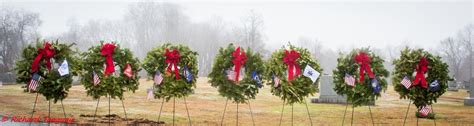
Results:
x,y
327,93
1,83
453,86
469,101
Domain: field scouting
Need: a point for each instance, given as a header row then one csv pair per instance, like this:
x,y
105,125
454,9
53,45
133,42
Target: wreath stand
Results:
x,y
174,108
406,114
49,108
283,108
237,113
97,106
352,114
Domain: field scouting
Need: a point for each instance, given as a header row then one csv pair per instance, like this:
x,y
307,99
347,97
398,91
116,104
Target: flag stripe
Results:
x,y
425,110
96,79
406,82
349,80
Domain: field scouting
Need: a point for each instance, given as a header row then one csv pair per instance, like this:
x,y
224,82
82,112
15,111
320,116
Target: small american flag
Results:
x,y
425,110
349,80
95,78
158,78
406,82
128,71
34,81
276,81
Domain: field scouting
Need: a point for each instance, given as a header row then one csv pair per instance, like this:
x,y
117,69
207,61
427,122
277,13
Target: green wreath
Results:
x,y
112,84
52,85
362,90
406,66
299,87
238,91
177,82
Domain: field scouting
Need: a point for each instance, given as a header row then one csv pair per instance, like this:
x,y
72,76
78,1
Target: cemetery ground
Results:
x,y
206,107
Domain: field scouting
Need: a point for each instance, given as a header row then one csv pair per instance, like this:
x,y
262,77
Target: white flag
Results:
x,y
64,68
311,73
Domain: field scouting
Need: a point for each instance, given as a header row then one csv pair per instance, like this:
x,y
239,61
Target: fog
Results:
x,y
326,28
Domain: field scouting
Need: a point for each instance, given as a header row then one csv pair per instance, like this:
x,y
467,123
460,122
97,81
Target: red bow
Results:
x,y
290,60
364,60
107,50
238,61
47,52
172,58
421,69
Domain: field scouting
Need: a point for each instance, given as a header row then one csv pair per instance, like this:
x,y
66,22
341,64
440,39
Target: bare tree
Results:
x,y
454,54
17,27
465,37
251,32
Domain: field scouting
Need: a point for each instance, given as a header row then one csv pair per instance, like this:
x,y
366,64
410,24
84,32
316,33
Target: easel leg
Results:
x,y
371,117
49,108
123,105
282,109
352,117
109,110
292,114
309,116
97,106
161,108
64,111
187,111
237,117
406,114
417,121
34,106
344,117
223,114
174,107
432,110
251,113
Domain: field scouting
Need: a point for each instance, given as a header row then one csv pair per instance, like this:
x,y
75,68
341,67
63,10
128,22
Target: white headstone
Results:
x,y
327,93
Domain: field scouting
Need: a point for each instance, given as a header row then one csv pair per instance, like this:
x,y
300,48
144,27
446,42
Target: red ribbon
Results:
x,y
47,53
421,69
172,58
107,50
290,60
239,59
364,60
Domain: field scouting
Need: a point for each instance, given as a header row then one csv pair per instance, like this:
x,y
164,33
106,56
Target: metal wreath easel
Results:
x,y
174,110
49,108
97,106
352,114
283,108
237,113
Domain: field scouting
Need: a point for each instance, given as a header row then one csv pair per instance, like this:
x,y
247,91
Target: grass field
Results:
x,y
206,107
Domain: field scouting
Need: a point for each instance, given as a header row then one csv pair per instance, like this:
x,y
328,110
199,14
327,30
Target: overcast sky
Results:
x,y
338,24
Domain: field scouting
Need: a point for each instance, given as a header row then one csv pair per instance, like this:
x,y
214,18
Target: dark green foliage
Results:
x,y
112,85
238,92
170,87
405,66
362,93
52,85
300,87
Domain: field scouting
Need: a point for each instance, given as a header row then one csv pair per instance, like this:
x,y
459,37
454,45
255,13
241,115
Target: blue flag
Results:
x,y
257,79
376,86
187,74
434,86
